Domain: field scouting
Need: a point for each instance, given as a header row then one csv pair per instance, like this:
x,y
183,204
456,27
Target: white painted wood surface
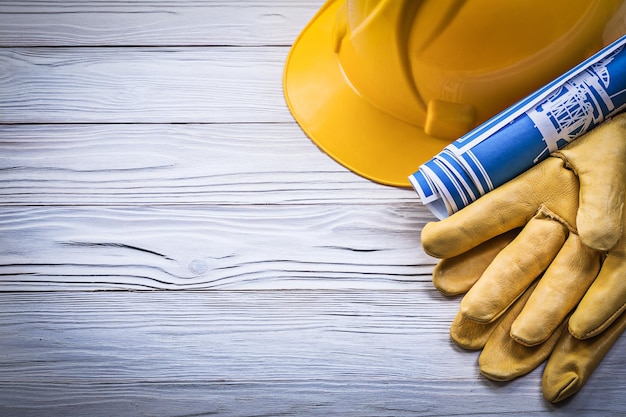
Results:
x,y
173,245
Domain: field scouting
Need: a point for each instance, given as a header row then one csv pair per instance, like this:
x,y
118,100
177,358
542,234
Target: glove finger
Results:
x,y
470,334
573,361
604,301
599,217
454,276
602,176
503,359
507,207
558,292
514,269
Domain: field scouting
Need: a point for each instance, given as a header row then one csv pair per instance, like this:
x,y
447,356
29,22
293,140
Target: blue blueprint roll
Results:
x,y
526,133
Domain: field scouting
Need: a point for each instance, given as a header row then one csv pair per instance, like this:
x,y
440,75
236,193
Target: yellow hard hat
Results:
x,y
383,85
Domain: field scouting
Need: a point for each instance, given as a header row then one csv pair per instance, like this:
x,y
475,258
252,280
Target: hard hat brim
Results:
x,y
339,121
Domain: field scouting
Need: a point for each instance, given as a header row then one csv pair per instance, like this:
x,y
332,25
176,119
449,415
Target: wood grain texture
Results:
x,y
247,247
142,85
153,23
356,353
247,163
171,244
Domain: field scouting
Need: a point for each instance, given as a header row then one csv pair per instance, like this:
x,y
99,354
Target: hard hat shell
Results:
x,y
383,85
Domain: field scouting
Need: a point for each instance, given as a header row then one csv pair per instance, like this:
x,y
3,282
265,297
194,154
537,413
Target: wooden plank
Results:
x,y
153,23
250,163
142,85
212,247
357,353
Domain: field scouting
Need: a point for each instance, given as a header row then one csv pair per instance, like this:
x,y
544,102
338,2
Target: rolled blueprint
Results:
x,y
525,133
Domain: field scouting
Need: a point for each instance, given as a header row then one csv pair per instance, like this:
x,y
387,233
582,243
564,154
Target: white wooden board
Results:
x,y
153,22
212,247
258,353
188,164
171,243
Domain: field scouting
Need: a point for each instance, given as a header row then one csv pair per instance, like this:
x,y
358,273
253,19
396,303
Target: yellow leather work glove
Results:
x,y
571,361
497,247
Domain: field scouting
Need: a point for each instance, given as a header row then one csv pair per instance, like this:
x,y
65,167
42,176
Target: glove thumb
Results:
x,y
599,160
